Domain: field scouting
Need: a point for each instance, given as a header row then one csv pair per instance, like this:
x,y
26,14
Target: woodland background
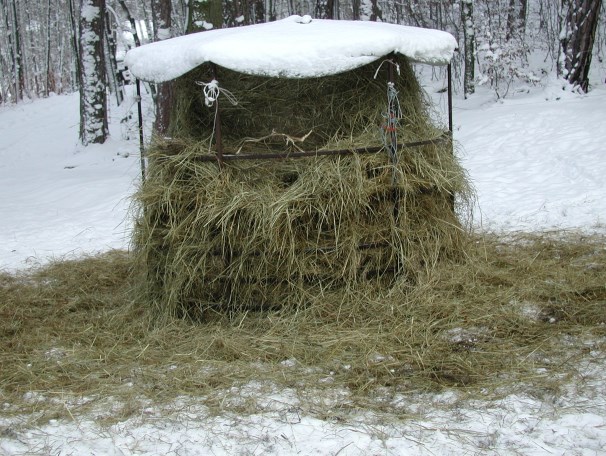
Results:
x,y
62,46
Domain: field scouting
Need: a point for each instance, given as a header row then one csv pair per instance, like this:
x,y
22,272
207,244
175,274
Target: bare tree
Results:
x,y
8,61
325,9
468,46
578,26
74,38
16,50
161,13
50,77
516,18
257,11
93,94
369,10
209,14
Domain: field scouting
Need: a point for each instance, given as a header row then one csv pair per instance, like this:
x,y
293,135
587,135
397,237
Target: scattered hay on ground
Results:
x,y
514,311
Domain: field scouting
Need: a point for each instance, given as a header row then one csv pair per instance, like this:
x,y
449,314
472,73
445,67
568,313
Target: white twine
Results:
x,y
397,65
392,118
392,121
212,91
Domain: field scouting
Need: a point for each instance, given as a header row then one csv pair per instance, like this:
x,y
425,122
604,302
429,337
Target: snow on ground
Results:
x,y
537,162
60,198
572,423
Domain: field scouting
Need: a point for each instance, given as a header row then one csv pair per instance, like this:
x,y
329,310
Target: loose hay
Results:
x,y
515,314
267,234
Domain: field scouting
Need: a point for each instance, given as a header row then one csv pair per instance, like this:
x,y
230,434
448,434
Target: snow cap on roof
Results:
x,y
295,47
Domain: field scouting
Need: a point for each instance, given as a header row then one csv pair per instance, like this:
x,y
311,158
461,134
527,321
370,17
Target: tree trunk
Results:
x,y
271,11
75,41
49,71
32,56
468,46
11,70
209,14
511,20
93,94
355,9
522,16
413,11
162,19
232,13
376,14
257,11
162,16
111,68
325,9
132,23
17,53
516,19
578,27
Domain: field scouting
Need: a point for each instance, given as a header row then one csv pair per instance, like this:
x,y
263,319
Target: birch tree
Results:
x,y
579,20
93,94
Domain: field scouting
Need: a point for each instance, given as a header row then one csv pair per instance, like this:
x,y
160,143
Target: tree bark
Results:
x,y
49,85
468,46
75,41
132,23
257,11
516,19
162,17
578,27
376,14
11,70
203,15
325,9
93,94
19,76
355,9
109,48
522,14
511,20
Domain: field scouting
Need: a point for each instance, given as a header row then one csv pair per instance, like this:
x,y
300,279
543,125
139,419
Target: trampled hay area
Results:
x,y
517,312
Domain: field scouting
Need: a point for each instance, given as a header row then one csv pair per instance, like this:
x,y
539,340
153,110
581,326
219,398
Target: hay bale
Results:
x,y
263,234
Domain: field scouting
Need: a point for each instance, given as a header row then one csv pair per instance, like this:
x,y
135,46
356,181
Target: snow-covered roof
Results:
x,y
295,47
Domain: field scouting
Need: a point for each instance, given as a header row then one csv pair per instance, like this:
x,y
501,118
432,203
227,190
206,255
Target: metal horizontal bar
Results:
x,y
446,136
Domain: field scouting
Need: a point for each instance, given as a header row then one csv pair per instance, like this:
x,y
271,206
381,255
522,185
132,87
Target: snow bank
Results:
x,y
295,47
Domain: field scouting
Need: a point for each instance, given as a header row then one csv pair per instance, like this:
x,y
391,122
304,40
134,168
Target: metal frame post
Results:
x,y
452,197
217,124
140,116
450,98
393,144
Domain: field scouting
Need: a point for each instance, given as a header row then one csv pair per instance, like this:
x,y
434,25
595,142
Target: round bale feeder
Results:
x,y
301,160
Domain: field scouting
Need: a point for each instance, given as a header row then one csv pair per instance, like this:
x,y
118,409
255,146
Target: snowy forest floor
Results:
x,y
537,163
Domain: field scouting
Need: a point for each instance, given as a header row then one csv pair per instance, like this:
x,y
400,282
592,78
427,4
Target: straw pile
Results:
x,y
266,234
